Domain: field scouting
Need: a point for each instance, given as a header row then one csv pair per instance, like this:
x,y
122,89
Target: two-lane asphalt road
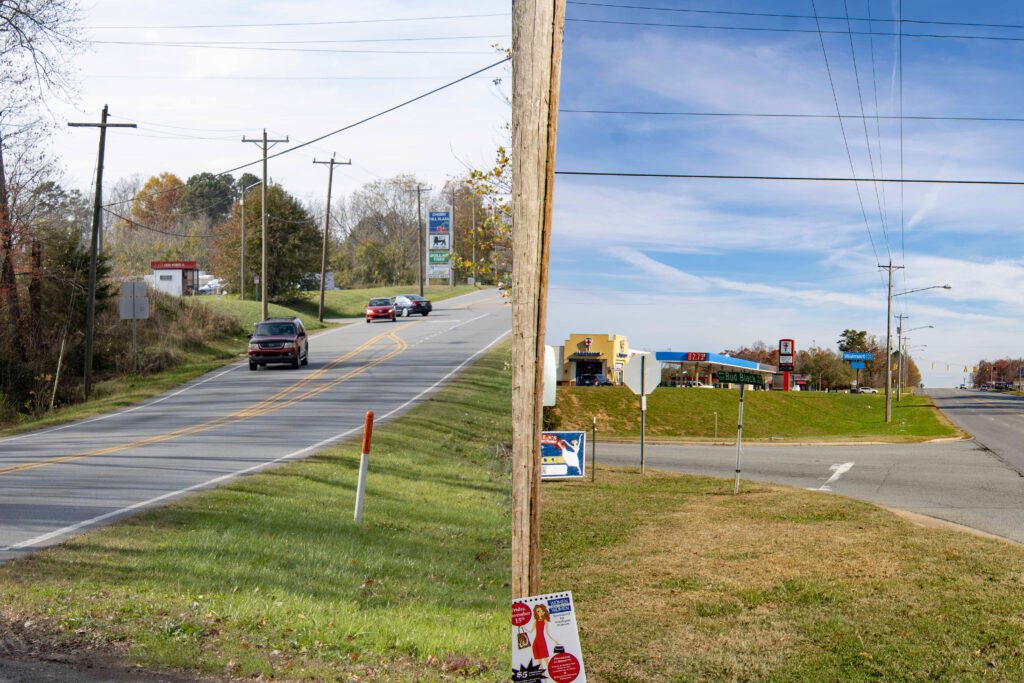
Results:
x,y
996,421
978,483
61,481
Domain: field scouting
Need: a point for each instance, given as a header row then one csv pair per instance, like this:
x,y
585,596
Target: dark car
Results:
x,y
597,380
407,304
279,341
380,309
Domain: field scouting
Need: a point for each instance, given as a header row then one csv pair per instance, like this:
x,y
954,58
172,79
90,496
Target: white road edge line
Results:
x,y
255,468
838,470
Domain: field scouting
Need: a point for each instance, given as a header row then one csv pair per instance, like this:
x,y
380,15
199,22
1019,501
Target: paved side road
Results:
x,y
958,481
62,481
996,421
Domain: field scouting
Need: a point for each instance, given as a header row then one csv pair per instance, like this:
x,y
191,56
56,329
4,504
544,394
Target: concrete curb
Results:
x,y
928,522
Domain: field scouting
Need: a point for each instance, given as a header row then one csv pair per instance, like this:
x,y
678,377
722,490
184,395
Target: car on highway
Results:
x,y
407,304
277,341
963,386
380,309
863,390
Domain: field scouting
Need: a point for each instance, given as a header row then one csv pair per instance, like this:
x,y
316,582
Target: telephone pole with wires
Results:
x,y
97,217
263,143
331,163
421,236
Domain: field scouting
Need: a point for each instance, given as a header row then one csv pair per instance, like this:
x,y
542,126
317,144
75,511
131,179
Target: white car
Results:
x,y
866,390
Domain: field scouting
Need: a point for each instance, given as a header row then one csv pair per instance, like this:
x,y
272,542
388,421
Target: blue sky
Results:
x,y
705,265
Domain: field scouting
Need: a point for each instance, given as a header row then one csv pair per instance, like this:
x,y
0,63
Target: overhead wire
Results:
x,y
846,143
325,41
389,20
792,115
290,49
833,179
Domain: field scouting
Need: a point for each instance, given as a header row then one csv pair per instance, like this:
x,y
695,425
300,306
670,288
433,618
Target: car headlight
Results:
x,y
254,347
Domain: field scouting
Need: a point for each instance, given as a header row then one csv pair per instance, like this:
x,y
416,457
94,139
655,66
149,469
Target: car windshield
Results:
x,y
274,329
380,302
413,297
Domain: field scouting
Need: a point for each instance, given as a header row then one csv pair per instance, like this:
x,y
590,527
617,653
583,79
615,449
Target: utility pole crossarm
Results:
x,y
90,310
331,163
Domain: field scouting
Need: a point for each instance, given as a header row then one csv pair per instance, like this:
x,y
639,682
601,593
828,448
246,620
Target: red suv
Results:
x,y
380,309
279,340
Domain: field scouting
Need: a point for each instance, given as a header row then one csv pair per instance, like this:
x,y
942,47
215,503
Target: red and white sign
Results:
x,y
546,640
787,352
174,265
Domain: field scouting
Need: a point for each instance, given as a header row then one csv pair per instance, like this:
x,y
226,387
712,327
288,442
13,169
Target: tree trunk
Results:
x,y
35,296
8,286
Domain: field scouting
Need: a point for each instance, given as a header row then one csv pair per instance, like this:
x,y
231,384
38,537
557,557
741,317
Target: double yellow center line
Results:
x,y
280,400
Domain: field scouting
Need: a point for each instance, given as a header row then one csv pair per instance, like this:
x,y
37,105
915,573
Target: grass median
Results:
x,y
675,414
269,576
675,579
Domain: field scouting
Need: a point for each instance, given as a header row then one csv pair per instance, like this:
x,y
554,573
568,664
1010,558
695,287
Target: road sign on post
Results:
x,y
439,244
741,378
134,305
858,355
642,377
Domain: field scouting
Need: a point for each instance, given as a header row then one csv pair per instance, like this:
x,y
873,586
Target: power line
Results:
x,y
783,115
200,46
846,143
344,128
302,42
270,78
775,29
869,18
309,23
840,179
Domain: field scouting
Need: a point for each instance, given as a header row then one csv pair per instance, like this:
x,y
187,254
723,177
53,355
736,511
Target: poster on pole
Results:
x,y
562,455
546,640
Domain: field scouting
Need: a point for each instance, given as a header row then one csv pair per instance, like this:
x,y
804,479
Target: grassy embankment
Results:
x,y
688,414
351,303
270,576
676,579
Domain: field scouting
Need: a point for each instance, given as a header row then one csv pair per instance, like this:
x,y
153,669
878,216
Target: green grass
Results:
x,y
675,579
122,391
270,576
251,312
689,414
351,303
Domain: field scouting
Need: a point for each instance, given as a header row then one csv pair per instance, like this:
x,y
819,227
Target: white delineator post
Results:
x,y
364,461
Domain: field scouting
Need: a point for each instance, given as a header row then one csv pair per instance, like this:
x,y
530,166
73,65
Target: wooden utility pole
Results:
x,y
421,235
264,144
537,29
97,217
327,227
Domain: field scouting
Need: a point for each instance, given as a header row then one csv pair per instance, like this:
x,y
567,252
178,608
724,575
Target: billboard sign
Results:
x,y
440,222
786,355
858,355
562,455
546,640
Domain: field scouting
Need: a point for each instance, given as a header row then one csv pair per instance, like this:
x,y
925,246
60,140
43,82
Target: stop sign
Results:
x,y
642,374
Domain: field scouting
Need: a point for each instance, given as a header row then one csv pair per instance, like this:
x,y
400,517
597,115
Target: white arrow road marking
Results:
x,y
838,470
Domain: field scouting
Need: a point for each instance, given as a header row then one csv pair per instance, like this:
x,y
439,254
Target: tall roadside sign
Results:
x,y
134,305
743,379
642,375
857,360
787,358
439,245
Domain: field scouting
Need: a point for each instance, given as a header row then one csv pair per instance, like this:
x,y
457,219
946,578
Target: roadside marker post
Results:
x,y
593,449
364,461
716,425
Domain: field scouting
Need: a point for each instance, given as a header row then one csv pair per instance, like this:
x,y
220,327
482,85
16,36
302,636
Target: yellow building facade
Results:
x,y
586,358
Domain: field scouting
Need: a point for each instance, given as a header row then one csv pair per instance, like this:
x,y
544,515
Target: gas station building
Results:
x,y
702,366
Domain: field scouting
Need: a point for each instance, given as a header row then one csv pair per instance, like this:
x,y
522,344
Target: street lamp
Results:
x,y
901,338
241,282
922,289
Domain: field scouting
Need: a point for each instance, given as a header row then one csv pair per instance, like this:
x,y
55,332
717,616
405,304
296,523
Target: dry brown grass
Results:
x,y
675,579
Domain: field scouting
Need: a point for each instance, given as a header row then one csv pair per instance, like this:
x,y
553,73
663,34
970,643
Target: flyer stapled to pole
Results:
x,y
546,640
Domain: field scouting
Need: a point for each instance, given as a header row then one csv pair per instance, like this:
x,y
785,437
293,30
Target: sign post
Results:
x,y
642,378
134,305
743,379
739,441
